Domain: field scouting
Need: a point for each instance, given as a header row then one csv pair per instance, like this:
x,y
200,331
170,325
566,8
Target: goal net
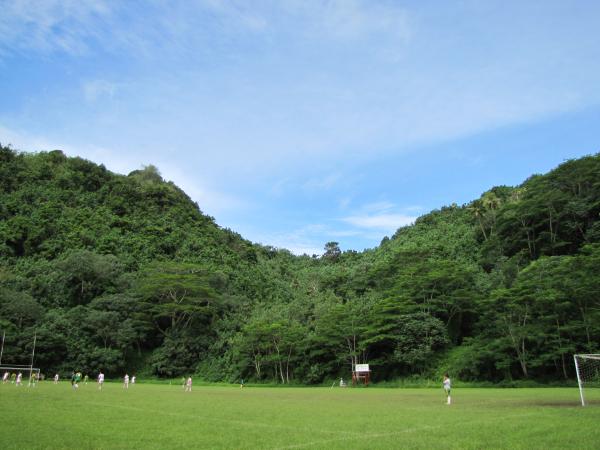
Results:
x,y
588,374
29,375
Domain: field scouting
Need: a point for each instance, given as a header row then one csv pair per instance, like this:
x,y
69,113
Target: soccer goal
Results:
x,y
19,373
29,375
587,368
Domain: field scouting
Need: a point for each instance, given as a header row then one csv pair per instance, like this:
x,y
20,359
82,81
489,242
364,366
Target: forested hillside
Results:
x,y
120,273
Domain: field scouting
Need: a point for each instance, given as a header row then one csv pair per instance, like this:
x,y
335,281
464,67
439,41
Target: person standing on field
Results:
x,y
188,385
56,378
19,378
126,382
100,380
133,379
5,377
447,387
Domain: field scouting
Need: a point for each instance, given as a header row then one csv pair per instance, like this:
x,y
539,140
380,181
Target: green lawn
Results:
x,y
162,416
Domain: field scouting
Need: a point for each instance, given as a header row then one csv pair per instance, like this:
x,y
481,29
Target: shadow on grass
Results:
x,y
559,403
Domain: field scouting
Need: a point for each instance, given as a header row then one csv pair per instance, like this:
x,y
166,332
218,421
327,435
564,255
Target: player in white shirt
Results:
x,y
126,382
133,379
100,380
19,378
188,385
447,387
5,377
55,378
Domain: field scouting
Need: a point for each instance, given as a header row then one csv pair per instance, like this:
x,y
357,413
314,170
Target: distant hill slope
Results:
x,y
51,204
121,273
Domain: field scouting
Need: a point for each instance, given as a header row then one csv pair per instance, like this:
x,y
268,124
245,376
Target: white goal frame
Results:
x,y
23,369
580,381
20,367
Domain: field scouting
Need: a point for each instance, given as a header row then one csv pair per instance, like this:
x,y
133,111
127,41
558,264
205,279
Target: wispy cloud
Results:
x,y
211,200
182,28
239,95
381,216
95,89
50,25
351,19
379,206
388,223
304,240
324,183
314,108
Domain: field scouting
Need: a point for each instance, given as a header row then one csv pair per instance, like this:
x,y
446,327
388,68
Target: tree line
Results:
x,y
115,272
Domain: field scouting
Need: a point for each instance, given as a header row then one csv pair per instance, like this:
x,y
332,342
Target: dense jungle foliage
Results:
x,y
125,273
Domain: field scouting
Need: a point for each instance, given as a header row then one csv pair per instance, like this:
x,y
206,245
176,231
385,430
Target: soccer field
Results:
x,y
162,416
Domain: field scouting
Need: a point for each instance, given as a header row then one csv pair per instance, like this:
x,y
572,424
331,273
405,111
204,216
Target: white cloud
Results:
x,y
380,216
351,19
211,201
414,208
25,142
95,89
344,202
50,25
241,14
388,223
281,101
277,90
300,241
324,183
379,206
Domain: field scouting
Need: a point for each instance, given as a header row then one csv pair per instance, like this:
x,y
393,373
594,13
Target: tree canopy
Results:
x,y
117,272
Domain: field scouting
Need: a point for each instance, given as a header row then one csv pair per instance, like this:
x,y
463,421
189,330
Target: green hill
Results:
x,y
119,272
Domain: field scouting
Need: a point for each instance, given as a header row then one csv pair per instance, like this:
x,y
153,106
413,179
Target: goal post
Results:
x,y
587,368
32,372
28,373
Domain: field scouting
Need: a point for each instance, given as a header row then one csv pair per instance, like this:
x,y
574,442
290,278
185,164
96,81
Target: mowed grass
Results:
x,y
162,416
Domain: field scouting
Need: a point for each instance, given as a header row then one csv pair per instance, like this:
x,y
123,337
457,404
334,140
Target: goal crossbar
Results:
x,y
21,368
17,366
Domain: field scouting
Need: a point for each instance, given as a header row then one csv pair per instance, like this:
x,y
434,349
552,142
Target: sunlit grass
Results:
x,y
163,416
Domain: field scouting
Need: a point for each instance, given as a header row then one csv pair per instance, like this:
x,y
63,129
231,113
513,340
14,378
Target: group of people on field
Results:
x,y
76,378
17,378
186,384
13,378
127,380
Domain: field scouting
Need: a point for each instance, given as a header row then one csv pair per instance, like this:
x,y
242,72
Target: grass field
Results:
x,y
163,416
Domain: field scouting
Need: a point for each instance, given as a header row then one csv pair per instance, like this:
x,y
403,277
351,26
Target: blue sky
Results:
x,y
296,122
